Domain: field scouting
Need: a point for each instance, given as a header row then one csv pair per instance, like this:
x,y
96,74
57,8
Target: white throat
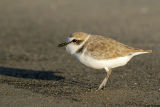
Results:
x,y
72,48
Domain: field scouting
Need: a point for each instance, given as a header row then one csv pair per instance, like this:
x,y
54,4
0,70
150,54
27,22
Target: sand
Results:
x,y
35,72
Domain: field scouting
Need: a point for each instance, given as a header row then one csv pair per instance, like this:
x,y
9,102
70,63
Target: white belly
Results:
x,y
100,64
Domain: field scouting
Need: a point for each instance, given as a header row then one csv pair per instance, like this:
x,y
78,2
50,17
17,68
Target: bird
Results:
x,y
99,52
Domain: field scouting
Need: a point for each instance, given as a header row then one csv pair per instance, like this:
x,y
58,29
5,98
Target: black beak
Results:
x,y
63,44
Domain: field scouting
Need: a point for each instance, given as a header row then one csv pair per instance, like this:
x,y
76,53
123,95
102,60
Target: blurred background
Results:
x,y
31,29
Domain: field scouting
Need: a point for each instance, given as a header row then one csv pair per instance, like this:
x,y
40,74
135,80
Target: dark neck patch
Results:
x,y
80,50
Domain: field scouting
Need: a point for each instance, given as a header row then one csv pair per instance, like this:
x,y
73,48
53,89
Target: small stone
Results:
x,y
135,83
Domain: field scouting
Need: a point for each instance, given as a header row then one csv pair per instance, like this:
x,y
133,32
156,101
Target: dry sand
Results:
x,y
34,72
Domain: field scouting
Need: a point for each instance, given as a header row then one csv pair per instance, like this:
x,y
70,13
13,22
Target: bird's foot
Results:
x,y
100,88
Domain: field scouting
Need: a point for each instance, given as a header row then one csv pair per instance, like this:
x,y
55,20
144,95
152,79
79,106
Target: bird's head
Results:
x,y
74,41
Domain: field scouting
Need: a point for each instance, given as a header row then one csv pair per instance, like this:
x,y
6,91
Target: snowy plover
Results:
x,y
99,52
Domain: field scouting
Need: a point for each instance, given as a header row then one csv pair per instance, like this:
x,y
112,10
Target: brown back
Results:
x,y
106,48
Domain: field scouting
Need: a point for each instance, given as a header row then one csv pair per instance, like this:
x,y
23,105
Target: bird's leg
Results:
x,y
105,79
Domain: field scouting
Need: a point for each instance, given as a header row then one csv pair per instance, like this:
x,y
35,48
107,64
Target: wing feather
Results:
x,y
106,48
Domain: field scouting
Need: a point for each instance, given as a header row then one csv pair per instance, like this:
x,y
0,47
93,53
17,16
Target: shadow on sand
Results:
x,y
30,74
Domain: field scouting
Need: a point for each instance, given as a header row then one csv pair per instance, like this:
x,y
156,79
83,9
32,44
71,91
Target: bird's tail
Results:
x,y
149,51
141,51
145,51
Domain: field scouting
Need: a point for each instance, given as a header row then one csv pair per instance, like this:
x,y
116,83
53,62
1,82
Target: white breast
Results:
x,y
100,64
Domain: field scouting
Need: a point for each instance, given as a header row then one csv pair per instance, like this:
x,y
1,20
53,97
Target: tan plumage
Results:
x,y
101,47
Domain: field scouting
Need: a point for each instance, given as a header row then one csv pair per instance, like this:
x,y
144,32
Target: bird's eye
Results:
x,y
74,40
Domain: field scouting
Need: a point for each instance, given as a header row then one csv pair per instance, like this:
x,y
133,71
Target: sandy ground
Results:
x,y
34,72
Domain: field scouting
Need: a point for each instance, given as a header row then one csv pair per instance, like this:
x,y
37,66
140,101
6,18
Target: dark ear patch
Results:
x,y
78,42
